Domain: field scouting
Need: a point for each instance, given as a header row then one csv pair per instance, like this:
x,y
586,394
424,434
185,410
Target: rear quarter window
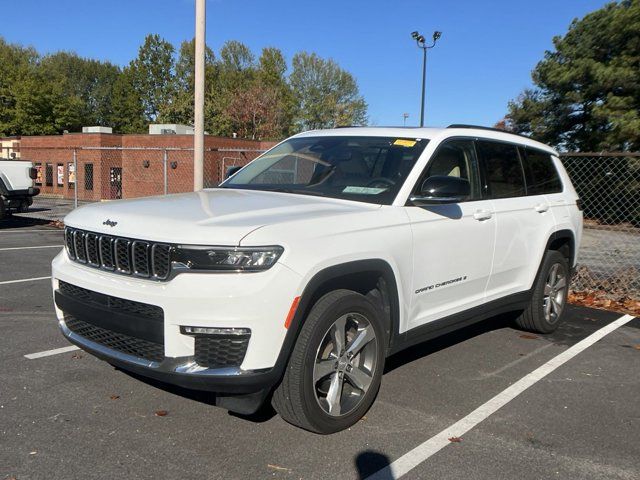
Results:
x,y
541,174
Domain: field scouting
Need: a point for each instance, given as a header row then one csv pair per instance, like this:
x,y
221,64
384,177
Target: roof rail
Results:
x,y
491,129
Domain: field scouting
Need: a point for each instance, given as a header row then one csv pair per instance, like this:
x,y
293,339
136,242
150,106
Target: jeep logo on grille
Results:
x,y
111,223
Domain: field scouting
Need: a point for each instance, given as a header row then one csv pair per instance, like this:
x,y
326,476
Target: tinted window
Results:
x,y
503,169
456,158
542,176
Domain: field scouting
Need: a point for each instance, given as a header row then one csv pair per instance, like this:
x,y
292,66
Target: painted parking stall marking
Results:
x,y
422,452
7,282
48,353
29,248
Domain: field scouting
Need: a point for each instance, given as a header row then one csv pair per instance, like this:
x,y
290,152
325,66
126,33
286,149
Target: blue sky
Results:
x,y
483,59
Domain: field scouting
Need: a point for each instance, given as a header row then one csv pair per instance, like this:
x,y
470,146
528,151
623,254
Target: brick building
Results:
x,y
113,166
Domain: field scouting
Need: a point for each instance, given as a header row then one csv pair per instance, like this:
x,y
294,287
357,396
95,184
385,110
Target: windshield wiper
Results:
x,y
299,191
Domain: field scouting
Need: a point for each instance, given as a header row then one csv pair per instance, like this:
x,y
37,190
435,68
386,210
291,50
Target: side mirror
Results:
x,y
231,171
440,189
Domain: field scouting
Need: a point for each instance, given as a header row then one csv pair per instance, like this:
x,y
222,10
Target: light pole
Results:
x,y
421,42
198,103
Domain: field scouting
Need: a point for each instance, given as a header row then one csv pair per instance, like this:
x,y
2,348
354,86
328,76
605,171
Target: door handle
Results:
x,y
482,215
541,207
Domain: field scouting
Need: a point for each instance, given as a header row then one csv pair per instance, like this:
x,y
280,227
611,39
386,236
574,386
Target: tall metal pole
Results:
x,y
198,106
422,43
424,74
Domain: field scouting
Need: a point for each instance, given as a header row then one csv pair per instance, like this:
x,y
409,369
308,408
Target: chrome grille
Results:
x,y
121,255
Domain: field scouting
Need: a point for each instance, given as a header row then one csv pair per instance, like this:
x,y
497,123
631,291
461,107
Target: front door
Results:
x,y
453,243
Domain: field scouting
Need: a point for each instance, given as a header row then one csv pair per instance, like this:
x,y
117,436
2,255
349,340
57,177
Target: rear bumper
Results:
x,y
26,193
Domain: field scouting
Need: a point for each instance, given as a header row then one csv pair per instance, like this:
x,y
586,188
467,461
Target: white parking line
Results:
x,y
422,452
28,248
16,230
7,282
48,353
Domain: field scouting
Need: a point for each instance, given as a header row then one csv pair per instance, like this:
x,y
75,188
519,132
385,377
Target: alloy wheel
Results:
x,y
555,292
345,364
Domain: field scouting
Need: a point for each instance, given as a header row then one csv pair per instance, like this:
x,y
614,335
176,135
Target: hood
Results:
x,y
207,217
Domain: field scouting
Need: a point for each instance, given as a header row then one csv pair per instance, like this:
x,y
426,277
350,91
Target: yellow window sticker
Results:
x,y
403,142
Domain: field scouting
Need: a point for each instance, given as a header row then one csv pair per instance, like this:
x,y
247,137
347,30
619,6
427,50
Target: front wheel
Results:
x,y
336,366
549,297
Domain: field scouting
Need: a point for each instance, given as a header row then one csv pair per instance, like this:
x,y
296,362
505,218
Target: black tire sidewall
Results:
x,y
351,303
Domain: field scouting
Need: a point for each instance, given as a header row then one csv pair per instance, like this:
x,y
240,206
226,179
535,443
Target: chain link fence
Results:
x,y
607,183
609,258
70,177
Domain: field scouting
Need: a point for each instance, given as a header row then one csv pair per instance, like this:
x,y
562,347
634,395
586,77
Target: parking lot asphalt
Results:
x,y
71,416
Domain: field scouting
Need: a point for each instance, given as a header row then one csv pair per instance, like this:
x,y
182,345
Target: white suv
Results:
x,y
303,271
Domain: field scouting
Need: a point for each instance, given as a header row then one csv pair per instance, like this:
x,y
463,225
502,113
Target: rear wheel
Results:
x,y
3,208
549,297
336,366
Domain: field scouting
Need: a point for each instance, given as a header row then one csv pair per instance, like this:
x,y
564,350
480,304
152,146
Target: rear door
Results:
x,y
453,243
523,222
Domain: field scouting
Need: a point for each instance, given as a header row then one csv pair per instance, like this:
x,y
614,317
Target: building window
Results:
x,y
38,167
88,176
48,175
60,174
71,175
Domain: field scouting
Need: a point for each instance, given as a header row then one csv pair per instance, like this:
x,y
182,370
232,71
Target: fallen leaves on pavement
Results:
x,y
455,439
161,413
599,299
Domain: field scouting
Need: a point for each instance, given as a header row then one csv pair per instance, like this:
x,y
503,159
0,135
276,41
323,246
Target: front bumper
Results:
x,y
257,301
181,371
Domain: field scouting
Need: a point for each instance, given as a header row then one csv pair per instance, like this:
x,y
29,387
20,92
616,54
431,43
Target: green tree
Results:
x,y
153,76
233,73
587,90
327,95
180,108
22,62
89,81
127,114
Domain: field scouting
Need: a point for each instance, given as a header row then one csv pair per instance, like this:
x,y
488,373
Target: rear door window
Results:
x,y
542,176
503,170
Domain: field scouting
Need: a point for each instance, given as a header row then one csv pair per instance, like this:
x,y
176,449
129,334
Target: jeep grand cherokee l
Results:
x,y
296,277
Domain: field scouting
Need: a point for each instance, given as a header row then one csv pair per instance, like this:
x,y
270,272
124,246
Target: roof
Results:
x,y
431,133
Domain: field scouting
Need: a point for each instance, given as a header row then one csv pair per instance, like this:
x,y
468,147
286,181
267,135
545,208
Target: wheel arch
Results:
x,y
362,276
563,241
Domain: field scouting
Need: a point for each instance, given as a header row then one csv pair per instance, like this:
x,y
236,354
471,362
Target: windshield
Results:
x,y
366,169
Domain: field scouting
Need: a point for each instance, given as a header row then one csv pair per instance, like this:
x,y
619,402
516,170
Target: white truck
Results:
x,y
16,186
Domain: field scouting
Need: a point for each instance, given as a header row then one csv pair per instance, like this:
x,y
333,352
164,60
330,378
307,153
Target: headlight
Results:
x,y
239,259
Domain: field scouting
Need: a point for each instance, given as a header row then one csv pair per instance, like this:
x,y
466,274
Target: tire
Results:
x,y
316,368
3,209
544,315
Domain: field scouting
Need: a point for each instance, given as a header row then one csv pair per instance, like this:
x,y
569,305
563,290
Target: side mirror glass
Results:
x,y
440,189
231,171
